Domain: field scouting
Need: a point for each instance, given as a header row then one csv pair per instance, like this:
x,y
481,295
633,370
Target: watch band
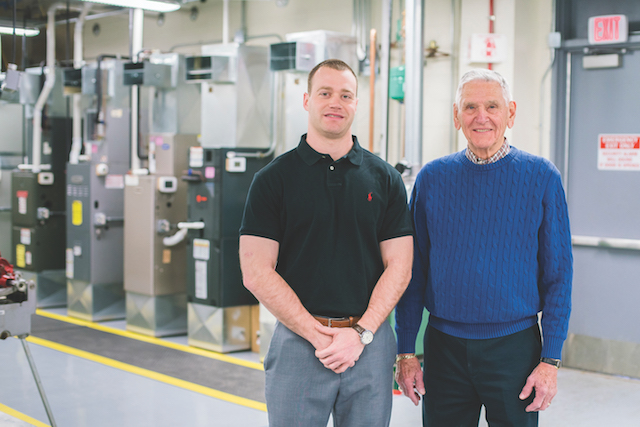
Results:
x,y
550,361
366,336
359,329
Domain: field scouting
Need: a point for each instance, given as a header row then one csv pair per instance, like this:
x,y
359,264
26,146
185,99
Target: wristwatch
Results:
x,y
554,362
366,336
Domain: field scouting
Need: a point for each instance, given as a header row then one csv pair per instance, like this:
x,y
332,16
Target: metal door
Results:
x,y
604,202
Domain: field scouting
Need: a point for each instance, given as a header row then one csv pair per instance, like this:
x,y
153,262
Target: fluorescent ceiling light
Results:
x,y
29,32
154,6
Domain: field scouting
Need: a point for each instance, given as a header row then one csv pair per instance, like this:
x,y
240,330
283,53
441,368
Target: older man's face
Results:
x,y
483,116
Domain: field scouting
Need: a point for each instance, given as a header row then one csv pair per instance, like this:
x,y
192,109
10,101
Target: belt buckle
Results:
x,y
336,319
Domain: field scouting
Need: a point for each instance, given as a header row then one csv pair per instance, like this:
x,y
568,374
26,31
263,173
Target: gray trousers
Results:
x,y
301,392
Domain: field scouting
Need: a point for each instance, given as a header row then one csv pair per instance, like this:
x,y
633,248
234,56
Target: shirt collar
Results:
x,y
502,152
311,156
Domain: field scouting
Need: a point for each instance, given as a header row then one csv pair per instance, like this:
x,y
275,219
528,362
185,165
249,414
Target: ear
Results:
x,y
456,122
305,101
512,114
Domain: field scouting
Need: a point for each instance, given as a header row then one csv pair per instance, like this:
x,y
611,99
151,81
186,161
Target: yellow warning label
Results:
x,y
166,256
76,212
20,256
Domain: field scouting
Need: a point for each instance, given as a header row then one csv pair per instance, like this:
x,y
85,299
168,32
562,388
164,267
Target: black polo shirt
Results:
x,y
329,218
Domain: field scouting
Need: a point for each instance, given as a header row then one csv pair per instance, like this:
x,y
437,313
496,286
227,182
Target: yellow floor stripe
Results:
x,y
152,340
21,416
150,374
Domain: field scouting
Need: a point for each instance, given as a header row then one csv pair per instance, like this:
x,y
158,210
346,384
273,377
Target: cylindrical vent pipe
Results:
x,y
76,141
50,81
414,82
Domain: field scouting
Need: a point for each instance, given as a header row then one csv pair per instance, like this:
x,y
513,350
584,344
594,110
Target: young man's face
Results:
x,y
484,116
331,102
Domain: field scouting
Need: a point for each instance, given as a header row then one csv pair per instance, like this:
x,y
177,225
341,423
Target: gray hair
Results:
x,y
487,76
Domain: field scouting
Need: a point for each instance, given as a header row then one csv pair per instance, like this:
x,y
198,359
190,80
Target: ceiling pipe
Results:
x,y
225,22
492,18
414,82
372,86
385,61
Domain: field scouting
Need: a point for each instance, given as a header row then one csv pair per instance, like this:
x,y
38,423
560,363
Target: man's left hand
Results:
x,y
544,379
344,350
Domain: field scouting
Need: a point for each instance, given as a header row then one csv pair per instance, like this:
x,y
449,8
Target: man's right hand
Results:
x,y
409,378
319,340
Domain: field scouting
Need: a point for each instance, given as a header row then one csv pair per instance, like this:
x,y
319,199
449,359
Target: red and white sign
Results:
x,y
608,29
22,201
619,152
489,48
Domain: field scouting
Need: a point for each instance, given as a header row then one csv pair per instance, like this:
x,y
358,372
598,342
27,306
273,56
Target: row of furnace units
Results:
x,y
159,250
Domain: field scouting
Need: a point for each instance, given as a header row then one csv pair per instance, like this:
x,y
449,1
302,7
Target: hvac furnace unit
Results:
x,y
154,254
38,199
95,197
236,135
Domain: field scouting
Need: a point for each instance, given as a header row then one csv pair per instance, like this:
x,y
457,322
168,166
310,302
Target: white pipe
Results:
x,y
606,242
76,140
191,225
136,48
77,36
50,81
225,22
176,238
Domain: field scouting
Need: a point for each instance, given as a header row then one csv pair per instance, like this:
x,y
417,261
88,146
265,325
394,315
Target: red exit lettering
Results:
x,y
607,28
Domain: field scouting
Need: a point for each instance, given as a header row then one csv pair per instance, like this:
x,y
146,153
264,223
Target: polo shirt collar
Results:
x,y
311,156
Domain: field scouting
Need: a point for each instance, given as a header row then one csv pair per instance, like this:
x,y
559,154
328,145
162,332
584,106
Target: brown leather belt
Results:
x,y
337,322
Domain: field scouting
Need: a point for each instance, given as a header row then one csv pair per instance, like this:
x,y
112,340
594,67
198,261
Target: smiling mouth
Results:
x,y
335,116
483,130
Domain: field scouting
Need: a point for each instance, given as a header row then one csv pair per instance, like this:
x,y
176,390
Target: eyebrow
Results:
x,y
332,89
490,102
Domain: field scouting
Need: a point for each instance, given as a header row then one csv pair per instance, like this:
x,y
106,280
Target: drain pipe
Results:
x,y
76,141
50,81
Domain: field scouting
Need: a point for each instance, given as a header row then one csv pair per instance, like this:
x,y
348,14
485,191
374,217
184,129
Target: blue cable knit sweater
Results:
x,y
492,250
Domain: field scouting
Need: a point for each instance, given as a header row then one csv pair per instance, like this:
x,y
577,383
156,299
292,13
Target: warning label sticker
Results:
x,y
619,152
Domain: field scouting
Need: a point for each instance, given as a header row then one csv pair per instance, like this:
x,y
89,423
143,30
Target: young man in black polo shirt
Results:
x,y
326,246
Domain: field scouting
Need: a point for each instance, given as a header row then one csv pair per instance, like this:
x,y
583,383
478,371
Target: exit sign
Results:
x,y
608,29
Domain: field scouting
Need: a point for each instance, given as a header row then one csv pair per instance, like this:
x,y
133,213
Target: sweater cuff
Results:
x,y
552,347
406,342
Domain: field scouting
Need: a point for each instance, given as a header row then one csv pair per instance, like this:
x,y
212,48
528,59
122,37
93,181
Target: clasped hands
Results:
x,y
338,349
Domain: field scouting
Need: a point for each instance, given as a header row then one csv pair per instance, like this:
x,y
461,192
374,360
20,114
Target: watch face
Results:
x,y
366,337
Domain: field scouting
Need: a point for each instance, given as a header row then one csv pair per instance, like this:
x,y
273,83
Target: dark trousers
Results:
x,y
461,375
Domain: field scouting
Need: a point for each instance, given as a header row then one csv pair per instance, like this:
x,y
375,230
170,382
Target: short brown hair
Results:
x,y
334,64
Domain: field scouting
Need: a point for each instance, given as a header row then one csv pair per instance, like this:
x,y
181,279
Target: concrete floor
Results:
x,y
86,393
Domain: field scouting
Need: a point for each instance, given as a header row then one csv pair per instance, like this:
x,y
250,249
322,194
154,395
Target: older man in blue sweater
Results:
x,y
492,251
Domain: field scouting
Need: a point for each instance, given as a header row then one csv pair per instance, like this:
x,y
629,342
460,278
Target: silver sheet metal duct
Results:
x,y
414,82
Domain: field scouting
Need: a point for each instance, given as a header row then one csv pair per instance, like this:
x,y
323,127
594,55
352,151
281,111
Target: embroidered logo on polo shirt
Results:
x,y
369,197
